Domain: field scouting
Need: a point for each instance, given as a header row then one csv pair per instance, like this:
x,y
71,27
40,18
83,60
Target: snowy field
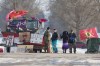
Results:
x,y
78,50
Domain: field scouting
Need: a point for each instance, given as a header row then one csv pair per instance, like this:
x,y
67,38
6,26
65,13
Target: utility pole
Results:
x,y
14,4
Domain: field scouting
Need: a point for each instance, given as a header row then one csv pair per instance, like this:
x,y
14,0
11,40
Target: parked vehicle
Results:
x,y
23,28
80,45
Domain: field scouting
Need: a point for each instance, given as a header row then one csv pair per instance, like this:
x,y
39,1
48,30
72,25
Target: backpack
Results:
x,y
72,38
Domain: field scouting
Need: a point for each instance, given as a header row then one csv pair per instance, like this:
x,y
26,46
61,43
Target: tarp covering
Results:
x,y
93,45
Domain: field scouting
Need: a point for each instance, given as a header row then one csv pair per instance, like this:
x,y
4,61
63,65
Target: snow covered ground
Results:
x,y
79,50
49,59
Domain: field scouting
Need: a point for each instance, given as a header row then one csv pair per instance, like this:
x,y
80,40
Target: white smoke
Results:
x,y
44,6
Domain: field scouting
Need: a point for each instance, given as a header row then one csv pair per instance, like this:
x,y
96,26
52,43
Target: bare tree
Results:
x,y
28,5
77,14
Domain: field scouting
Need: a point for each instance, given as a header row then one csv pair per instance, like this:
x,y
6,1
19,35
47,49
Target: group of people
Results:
x,y
68,41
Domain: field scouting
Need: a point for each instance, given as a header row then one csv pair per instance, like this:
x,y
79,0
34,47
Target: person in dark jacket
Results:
x,y
72,37
64,36
54,41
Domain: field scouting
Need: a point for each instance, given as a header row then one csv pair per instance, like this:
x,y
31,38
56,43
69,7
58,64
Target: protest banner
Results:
x,y
36,38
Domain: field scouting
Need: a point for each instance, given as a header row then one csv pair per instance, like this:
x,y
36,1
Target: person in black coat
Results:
x,y
65,38
54,41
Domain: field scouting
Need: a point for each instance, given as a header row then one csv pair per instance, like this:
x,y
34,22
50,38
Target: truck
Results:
x,y
25,32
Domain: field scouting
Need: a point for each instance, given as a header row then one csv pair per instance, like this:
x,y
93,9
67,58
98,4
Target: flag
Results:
x,y
42,20
15,14
88,33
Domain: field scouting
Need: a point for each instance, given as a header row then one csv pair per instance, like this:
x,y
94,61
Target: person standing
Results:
x,y
54,41
64,36
72,37
47,40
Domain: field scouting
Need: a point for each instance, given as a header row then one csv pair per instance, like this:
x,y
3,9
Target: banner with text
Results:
x,y
36,38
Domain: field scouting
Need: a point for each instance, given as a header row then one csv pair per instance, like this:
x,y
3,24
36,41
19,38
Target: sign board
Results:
x,y
24,48
36,38
13,49
18,23
10,40
23,24
2,40
24,36
17,40
9,37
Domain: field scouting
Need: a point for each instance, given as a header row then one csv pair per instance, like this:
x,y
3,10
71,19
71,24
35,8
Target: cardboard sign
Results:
x,y
36,38
24,48
10,40
24,36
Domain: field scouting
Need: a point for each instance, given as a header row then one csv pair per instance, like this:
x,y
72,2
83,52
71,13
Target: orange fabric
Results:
x,y
15,14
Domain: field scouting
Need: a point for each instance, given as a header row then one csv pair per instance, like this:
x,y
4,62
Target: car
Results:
x,y
80,45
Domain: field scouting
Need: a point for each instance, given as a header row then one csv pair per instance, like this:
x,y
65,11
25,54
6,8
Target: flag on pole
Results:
x,y
88,33
15,14
42,20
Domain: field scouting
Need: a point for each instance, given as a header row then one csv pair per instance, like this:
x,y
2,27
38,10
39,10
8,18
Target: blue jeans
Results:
x,y
54,46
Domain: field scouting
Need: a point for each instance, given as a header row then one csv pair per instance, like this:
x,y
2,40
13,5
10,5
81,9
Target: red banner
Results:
x,y
42,20
88,33
15,14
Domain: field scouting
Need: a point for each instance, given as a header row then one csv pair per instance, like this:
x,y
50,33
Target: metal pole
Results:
x,y
14,4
